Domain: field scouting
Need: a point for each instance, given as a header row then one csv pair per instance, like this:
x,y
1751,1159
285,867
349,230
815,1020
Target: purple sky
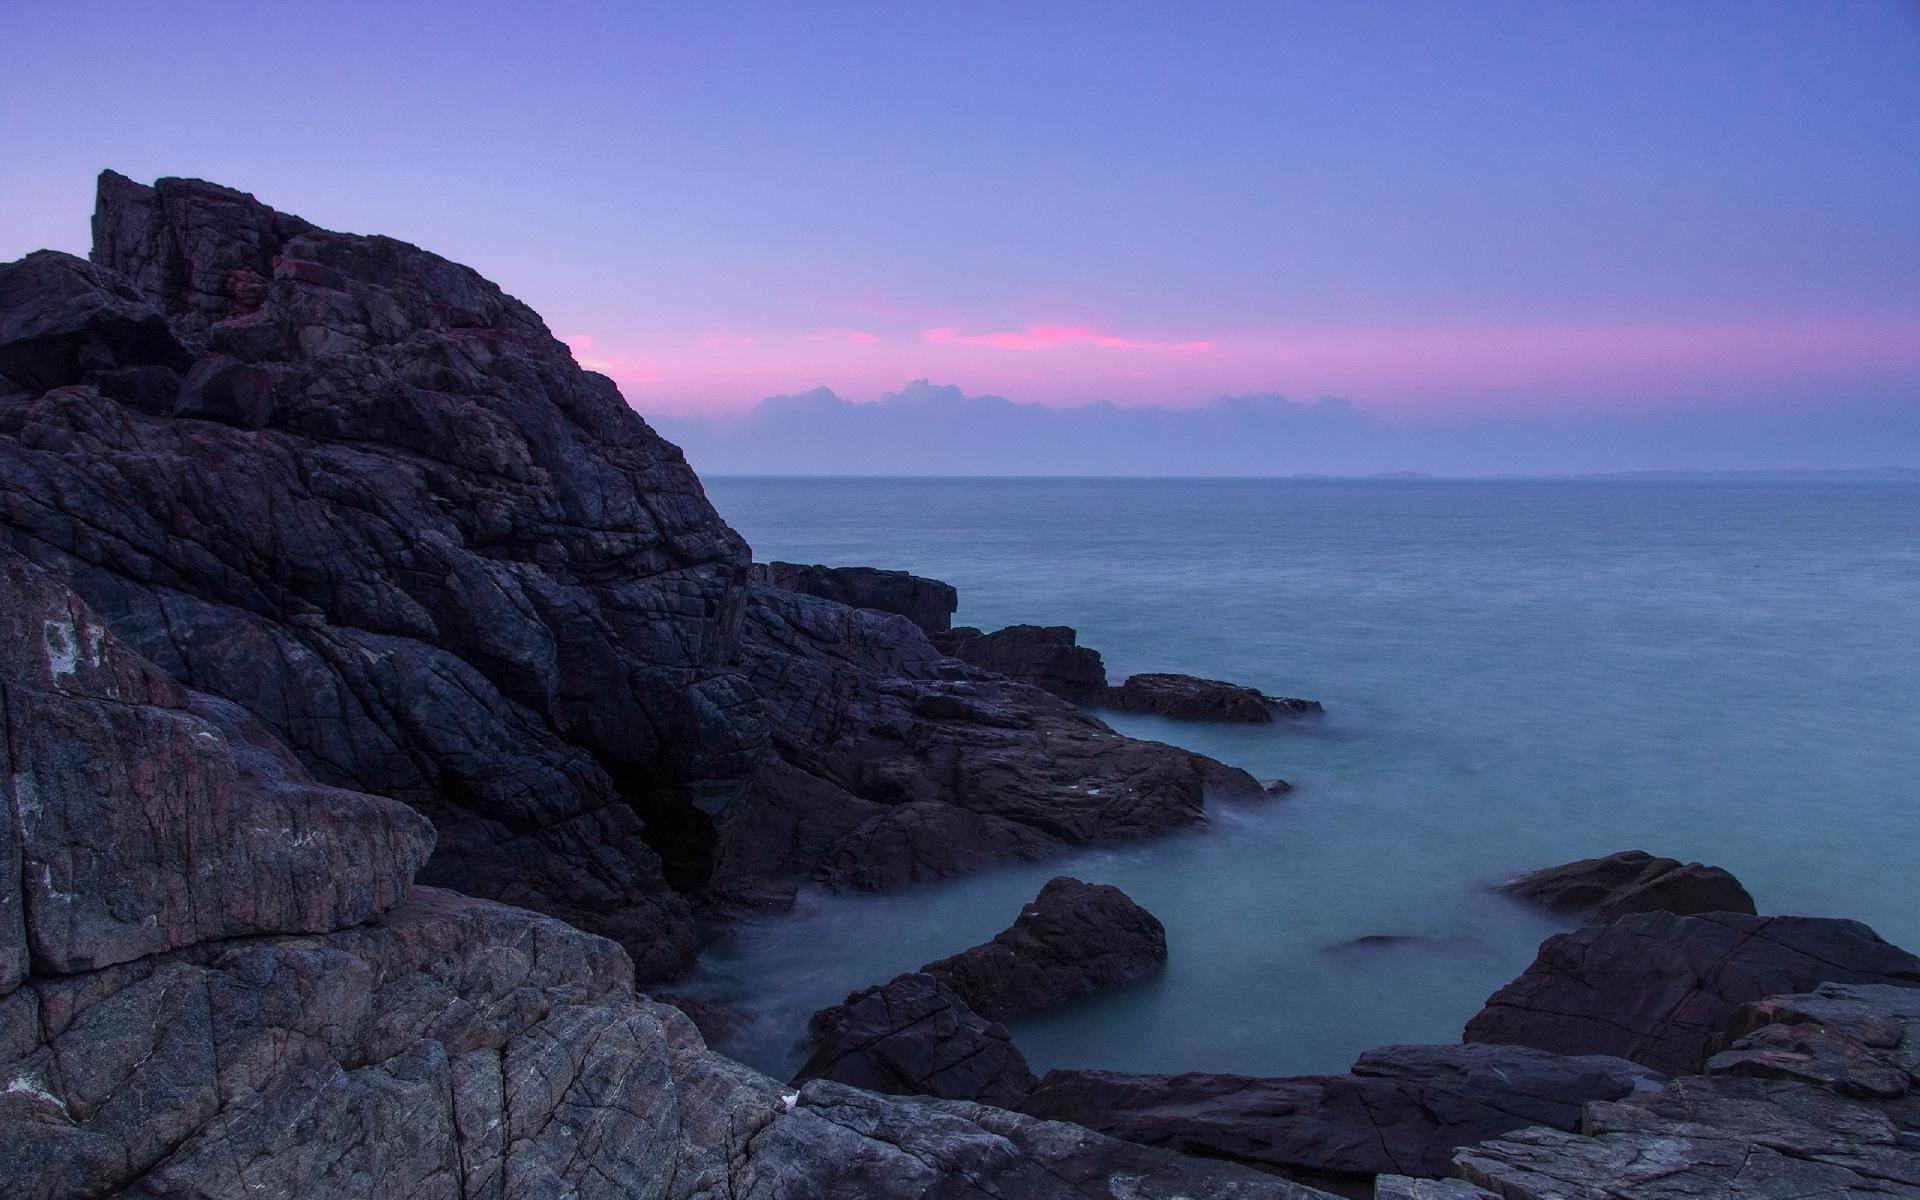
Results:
x,y
1431,210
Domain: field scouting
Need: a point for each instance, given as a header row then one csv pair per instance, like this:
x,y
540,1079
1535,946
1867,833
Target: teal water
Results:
x,y
1515,674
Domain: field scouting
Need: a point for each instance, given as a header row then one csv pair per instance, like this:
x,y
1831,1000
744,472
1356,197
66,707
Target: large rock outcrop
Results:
x,y
1600,889
216,984
928,603
1047,656
1075,939
1401,1110
893,763
1658,988
1192,698
358,490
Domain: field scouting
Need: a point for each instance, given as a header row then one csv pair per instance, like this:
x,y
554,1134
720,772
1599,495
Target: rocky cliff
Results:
x,y
360,492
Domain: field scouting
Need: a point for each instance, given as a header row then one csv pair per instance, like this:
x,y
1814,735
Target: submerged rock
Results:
x,y
1402,1109
1075,939
928,603
1657,988
1601,889
1193,698
1046,656
912,1036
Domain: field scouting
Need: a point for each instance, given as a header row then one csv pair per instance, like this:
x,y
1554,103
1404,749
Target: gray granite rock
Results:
x,y
928,603
1196,699
1047,656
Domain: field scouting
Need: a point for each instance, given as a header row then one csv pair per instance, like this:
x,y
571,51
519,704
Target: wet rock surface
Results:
x,y
928,603
1074,940
1600,889
1047,656
1658,988
1401,1110
1195,699
912,1036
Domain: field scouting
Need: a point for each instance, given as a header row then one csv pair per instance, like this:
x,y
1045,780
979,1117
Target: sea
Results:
x,y
1515,674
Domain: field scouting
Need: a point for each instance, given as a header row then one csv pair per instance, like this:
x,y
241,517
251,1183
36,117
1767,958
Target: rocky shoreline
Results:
x,y
385,703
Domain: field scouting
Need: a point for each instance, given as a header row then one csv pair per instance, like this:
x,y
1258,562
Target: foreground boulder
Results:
x,y
912,1036
892,763
1600,889
1402,1109
1192,698
1075,939
1657,988
215,983
1046,656
928,603
361,492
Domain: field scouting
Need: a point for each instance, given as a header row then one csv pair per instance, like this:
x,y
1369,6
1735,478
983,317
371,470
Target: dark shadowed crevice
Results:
x,y
676,829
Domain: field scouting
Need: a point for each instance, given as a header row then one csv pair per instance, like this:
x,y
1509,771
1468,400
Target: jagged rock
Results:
x,y
1853,1039
912,1036
1711,1137
894,764
256,1041
374,501
1075,939
1402,1109
928,603
1656,988
1601,889
1193,698
62,319
1046,656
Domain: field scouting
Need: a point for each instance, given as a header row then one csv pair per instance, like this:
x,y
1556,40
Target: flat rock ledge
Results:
x,y
1192,698
1600,889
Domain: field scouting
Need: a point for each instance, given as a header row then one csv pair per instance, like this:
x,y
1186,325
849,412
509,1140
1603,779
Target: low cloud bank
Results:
x,y
929,429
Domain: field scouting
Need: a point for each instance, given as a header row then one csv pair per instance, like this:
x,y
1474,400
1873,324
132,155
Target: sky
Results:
x,y
1634,219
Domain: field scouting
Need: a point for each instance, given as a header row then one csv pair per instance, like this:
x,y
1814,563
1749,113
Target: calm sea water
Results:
x,y
1515,674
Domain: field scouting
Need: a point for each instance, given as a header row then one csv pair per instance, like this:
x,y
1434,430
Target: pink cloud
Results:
x,y
1044,337
721,339
858,337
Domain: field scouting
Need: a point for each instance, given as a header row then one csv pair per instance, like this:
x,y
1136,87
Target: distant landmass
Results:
x,y
934,429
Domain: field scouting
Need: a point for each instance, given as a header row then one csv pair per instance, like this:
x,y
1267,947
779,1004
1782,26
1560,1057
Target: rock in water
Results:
x,y
912,1036
1075,939
894,764
1402,1109
1656,988
1193,698
928,603
358,490
1046,656
215,983
1601,889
